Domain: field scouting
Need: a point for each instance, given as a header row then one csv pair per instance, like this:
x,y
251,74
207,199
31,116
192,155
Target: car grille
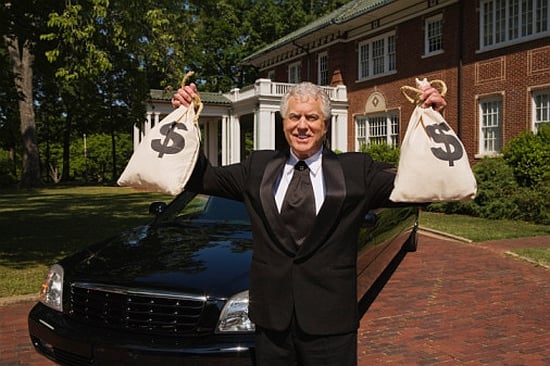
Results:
x,y
160,313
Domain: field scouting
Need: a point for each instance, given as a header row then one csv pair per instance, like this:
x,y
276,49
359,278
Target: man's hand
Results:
x,y
432,98
184,96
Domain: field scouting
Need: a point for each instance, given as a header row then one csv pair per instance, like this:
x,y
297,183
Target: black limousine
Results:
x,y
176,291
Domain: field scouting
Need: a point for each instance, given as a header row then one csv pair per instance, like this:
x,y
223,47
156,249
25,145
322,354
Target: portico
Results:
x,y
228,120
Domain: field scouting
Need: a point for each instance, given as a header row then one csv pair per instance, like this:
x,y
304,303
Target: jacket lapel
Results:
x,y
335,194
273,171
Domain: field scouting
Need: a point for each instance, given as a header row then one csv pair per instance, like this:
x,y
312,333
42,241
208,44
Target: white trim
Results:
x,y
367,66
295,72
482,151
533,122
322,68
500,29
427,23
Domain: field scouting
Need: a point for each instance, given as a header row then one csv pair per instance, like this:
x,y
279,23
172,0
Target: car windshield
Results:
x,y
209,209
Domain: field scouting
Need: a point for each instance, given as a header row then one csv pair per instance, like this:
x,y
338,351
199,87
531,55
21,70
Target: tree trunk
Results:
x,y
113,155
66,173
23,59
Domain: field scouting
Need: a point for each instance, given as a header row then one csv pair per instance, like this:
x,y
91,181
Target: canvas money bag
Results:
x,y
165,158
433,164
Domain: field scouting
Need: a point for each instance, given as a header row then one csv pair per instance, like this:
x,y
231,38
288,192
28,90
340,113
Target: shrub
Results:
x,y
529,156
495,188
382,152
496,185
533,204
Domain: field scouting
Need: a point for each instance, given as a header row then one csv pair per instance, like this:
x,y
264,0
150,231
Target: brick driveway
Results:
x,y
450,303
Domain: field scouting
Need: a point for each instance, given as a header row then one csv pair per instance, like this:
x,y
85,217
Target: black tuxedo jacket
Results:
x,y
316,281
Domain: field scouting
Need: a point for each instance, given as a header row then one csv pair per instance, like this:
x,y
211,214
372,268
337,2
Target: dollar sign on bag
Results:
x,y
453,149
173,143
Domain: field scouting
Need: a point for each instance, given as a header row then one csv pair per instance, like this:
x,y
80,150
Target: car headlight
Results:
x,y
51,293
234,316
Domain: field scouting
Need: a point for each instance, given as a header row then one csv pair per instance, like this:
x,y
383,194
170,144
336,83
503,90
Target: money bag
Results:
x,y
165,158
433,164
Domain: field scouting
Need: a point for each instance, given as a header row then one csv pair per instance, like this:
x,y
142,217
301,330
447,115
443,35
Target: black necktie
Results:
x,y
298,210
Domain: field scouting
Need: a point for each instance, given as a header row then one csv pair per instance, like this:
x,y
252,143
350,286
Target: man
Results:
x,y
302,278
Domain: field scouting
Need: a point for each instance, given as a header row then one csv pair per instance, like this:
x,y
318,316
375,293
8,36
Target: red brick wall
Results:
x,y
469,74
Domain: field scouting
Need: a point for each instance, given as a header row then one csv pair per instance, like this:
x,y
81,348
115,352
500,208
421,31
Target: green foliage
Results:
x,y
7,169
499,196
95,61
95,163
529,155
77,27
516,186
496,184
9,111
533,204
227,31
382,152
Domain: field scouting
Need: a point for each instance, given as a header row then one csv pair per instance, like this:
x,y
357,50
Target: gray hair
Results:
x,y
306,90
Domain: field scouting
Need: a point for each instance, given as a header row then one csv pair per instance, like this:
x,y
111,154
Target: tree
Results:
x,y
22,21
96,60
230,30
9,121
107,52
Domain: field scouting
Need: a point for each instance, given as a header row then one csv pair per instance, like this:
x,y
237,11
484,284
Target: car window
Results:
x,y
216,209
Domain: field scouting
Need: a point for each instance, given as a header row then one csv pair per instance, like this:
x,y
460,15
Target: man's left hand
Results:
x,y
432,98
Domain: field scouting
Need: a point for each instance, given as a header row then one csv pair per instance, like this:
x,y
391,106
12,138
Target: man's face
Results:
x,y
304,126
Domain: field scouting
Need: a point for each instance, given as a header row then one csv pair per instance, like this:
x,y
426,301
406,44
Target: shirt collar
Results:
x,y
313,162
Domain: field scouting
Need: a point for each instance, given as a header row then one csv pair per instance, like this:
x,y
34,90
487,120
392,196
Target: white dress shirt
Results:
x,y
315,173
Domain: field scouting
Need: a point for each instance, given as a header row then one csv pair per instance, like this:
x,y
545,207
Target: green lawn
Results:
x,y
40,226
478,229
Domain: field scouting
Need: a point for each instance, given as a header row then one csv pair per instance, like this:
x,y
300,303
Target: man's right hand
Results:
x,y
184,96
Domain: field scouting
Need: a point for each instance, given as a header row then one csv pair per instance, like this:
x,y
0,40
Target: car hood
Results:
x,y
205,259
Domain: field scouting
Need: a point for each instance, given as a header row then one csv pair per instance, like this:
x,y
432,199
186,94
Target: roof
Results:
x,y
351,10
206,97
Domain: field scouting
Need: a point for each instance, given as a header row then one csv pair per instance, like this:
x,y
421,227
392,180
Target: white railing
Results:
x,y
266,88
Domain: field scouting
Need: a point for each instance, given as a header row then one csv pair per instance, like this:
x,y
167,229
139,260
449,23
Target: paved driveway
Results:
x,y
450,303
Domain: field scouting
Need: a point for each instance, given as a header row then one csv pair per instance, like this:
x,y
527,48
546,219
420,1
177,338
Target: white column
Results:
x,y
231,140
235,140
225,143
157,119
264,129
339,131
140,132
137,136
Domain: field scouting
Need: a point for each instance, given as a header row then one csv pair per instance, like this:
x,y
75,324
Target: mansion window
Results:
x,y
295,72
322,71
433,34
490,114
510,21
377,56
541,108
376,129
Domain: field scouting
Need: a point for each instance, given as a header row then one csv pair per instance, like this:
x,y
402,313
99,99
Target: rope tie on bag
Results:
x,y
415,98
196,100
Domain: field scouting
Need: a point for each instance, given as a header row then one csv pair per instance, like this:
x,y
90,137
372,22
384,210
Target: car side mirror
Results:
x,y
370,220
156,208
